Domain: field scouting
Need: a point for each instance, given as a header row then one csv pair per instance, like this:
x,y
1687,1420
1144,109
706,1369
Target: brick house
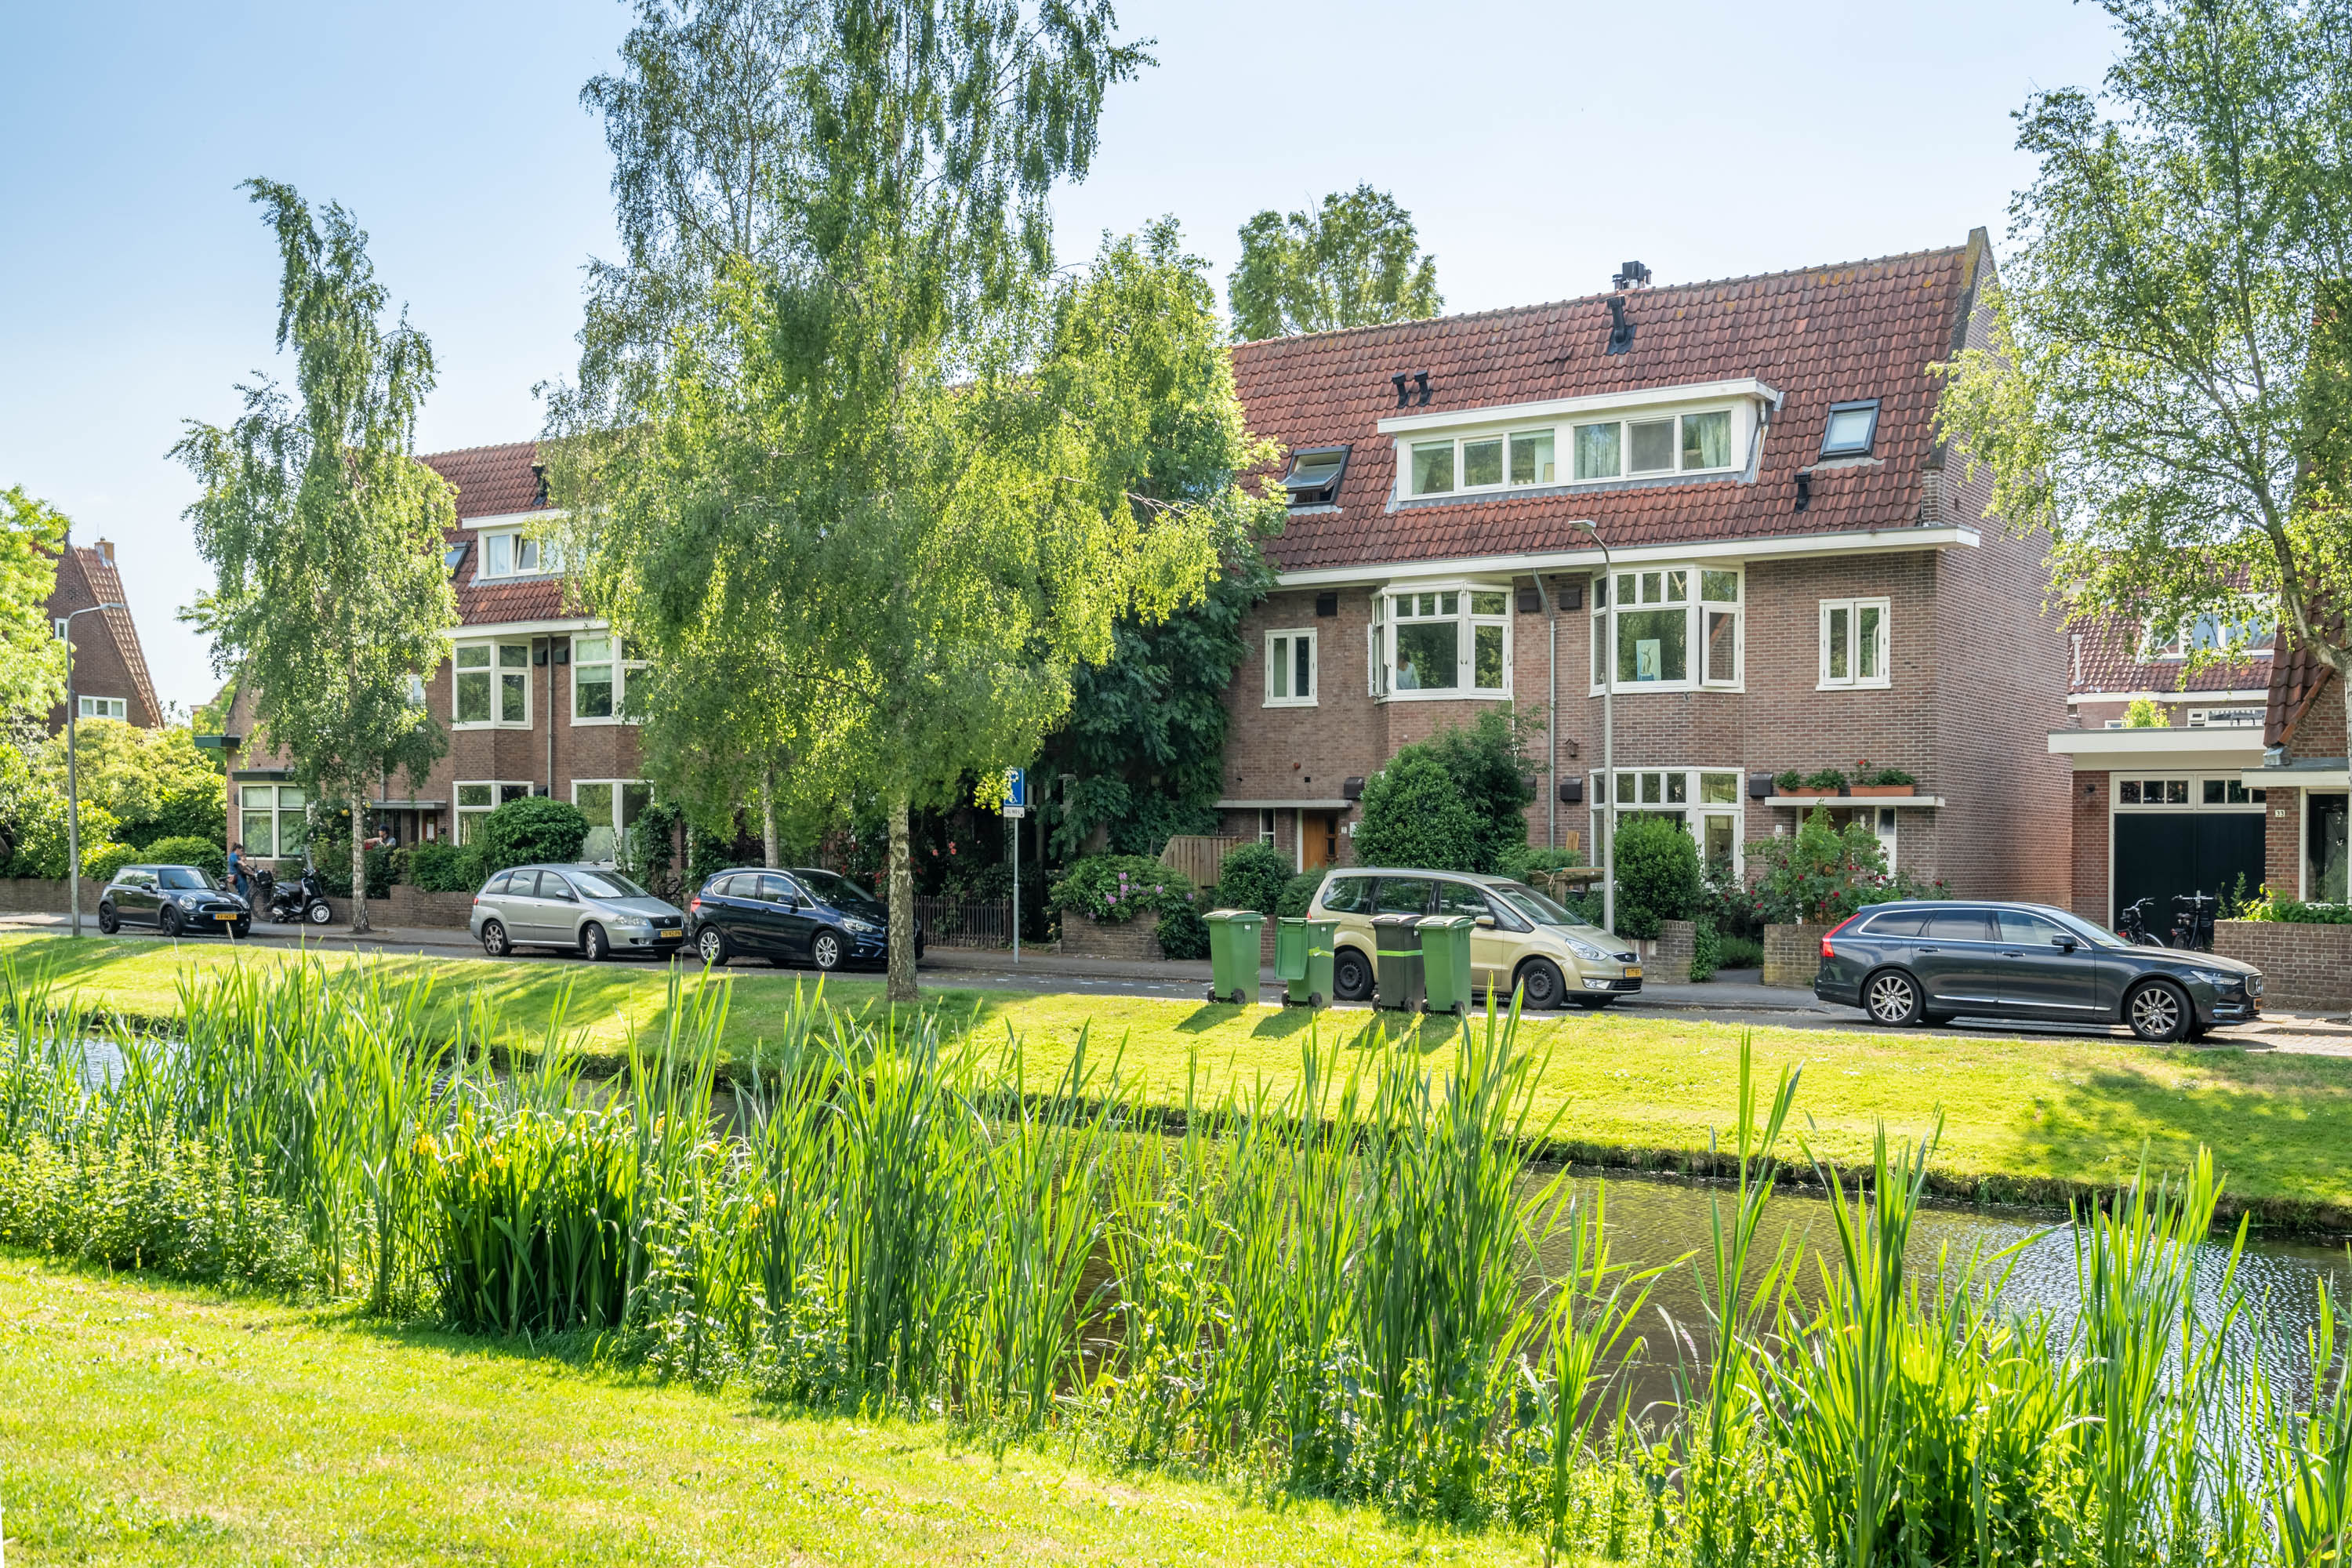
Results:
x,y
109,667
2163,811
2302,776
1801,580
531,694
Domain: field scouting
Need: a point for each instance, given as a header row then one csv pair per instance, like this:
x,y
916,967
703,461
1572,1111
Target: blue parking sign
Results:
x,y
1016,786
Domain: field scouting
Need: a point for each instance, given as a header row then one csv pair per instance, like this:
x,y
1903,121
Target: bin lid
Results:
x,y
1446,923
1233,915
1396,920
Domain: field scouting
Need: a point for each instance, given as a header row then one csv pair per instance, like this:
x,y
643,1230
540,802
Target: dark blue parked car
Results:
x,y
1927,961
801,915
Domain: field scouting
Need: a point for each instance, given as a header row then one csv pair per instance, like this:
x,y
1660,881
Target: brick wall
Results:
x,y
1671,955
45,895
1135,939
2306,967
1793,954
2092,836
2283,842
101,666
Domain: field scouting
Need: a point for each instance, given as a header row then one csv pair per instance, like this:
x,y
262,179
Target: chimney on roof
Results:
x,y
1629,275
1398,381
105,548
1621,331
1420,382
539,484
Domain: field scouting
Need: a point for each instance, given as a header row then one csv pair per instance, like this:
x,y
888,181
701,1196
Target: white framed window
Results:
x,y
1674,629
510,553
1490,460
2253,638
1444,640
1646,446
273,820
416,690
104,707
2223,718
1854,643
2185,791
1704,801
492,682
612,806
62,626
478,800
1290,668
1265,825
601,668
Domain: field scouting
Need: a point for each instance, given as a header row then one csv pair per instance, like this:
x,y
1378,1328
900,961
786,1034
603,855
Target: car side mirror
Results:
x,y
2064,943
1484,922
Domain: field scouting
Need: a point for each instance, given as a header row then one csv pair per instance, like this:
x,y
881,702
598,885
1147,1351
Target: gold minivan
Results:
x,y
1522,939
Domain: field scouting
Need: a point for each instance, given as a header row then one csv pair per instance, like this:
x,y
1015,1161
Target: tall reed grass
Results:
x,y
1352,1285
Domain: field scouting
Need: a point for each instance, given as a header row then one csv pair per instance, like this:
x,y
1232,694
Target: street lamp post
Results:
x,y
73,783
1607,643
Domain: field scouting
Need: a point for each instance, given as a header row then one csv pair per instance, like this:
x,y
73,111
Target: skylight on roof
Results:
x,y
1314,475
1852,427
454,555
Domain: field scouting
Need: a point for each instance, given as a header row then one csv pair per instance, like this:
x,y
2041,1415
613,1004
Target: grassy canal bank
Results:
x,y
2033,1121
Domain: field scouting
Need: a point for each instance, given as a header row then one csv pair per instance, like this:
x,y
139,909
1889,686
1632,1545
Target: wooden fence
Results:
x,y
1198,855
952,923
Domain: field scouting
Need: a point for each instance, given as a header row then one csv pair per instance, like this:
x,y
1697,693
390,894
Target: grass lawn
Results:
x,y
2022,1119
160,1424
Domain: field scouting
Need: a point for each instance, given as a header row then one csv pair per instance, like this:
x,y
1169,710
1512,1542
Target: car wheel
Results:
x,y
594,946
320,911
494,939
1351,975
827,950
2158,1013
1892,997
108,921
168,922
711,943
1540,984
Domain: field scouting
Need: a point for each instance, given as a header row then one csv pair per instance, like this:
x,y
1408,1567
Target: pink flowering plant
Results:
x,y
1115,888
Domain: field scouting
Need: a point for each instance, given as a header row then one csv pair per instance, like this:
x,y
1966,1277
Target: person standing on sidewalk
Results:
x,y
237,877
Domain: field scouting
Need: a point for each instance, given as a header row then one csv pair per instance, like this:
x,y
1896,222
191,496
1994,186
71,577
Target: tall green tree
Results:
x,y
323,530
905,468
32,658
2168,384
1355,263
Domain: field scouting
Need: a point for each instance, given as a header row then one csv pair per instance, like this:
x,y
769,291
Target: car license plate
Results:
x,y
672,931
224,917
1633,972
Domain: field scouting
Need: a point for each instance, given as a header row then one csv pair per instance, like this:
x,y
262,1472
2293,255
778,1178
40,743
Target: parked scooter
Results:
x,y
295,903
2132,924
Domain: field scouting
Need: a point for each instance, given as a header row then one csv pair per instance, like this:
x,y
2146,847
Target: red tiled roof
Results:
x,y
106,588
2296,683
1819,336
2109,661
492,482
495,482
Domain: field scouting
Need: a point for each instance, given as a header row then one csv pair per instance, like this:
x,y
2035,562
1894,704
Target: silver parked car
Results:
x,y
593,911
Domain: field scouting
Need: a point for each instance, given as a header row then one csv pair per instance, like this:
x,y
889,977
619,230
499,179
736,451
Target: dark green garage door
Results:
x,y
2161,853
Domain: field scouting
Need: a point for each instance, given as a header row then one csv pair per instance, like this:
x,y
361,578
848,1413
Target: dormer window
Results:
x,y
517,554
1852,429
1642,448
1499,462
1704,429
2252,638
1314,475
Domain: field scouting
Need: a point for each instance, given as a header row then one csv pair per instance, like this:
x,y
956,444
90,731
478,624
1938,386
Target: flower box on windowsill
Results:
x,y
1884,792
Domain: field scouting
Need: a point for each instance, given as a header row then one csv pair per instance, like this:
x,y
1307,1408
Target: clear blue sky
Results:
x,y
1538,144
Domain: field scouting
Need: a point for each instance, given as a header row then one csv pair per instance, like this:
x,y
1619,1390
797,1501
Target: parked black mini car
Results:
x,y
797,916
174,899
1927,961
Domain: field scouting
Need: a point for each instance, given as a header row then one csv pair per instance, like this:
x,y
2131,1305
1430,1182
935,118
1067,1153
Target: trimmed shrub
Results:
x,y
531,829
1116,888
1490,768
1252,878
1414,815
100,862
1298,893
1182,933
442,866
1739,953
184,851
1657,875
1707,950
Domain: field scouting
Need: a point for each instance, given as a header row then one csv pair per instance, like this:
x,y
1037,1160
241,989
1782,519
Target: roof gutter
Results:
x,y
1786,548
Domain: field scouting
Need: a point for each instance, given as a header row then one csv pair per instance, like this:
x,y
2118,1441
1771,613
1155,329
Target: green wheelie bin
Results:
x,y
1303,952
1396,962
1232,955
1446,964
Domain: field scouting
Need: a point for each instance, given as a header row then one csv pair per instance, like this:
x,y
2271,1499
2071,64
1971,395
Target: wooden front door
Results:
x,y
1319,839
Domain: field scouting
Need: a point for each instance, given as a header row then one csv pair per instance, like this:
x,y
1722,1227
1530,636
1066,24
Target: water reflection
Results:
x,y
1653,1219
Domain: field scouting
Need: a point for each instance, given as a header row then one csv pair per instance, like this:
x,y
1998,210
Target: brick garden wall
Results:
x,y
1676,945
2304,967
45,895
1793,954
1135,939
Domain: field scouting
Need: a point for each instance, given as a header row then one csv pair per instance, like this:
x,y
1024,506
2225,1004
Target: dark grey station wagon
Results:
x,y
1928,962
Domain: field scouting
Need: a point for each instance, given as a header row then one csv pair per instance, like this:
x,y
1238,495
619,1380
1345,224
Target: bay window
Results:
x,y
1854,643
1675,627
477,801
515,554
601,669
1441,641
493,681
612,807
1704,802
272,820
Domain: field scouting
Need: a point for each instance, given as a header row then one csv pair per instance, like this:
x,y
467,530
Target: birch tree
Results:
x,y
323,530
